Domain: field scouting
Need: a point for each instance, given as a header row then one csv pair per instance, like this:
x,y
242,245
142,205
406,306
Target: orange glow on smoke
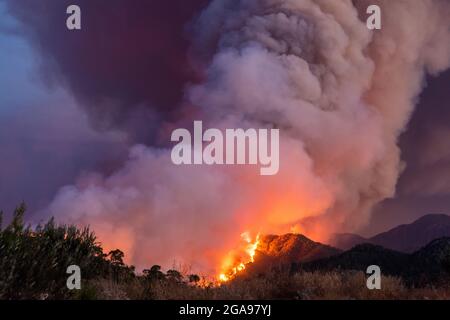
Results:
x,y
236,262
277,214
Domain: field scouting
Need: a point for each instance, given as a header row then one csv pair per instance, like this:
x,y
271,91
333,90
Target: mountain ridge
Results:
x,y
429,265
406,238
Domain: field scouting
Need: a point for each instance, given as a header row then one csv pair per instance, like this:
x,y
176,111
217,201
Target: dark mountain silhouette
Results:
x,y
405,238
429,265
359,258
411,237
346,241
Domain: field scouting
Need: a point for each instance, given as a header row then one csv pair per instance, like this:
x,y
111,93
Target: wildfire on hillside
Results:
x,y
235,262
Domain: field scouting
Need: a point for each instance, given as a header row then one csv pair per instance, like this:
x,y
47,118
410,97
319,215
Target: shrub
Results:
x,y
33,262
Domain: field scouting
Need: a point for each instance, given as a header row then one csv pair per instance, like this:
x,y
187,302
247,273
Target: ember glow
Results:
x,y
235,262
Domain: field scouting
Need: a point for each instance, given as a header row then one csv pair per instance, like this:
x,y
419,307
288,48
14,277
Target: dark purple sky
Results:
x,y
72,102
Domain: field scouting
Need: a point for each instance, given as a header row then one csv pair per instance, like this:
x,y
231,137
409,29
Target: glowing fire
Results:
x,y
232,265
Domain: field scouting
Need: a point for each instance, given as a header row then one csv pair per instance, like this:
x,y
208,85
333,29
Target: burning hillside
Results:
x,y
291,248
276,251
236,262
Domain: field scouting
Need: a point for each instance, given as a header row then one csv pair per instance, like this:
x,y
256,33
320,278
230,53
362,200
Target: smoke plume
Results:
x,y
340,94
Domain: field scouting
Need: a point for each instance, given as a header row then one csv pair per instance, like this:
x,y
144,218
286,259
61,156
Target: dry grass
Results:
x,y
277,285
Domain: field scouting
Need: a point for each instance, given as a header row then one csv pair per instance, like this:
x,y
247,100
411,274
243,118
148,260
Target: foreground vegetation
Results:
x,y
300,286
33,263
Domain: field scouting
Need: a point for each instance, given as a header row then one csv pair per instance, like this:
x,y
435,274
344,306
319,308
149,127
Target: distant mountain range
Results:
x,y
418,252
404,238
429,265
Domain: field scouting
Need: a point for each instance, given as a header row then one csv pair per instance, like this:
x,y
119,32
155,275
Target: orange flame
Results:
x,y
233,265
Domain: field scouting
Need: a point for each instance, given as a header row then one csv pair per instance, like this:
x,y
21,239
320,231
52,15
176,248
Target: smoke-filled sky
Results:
x,y
85,117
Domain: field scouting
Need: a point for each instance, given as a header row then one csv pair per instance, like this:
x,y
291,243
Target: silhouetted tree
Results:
x,y
154,273
174,275
116,257
193,278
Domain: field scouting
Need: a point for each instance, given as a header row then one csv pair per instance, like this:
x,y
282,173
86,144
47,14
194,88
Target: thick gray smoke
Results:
x,y
340,95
